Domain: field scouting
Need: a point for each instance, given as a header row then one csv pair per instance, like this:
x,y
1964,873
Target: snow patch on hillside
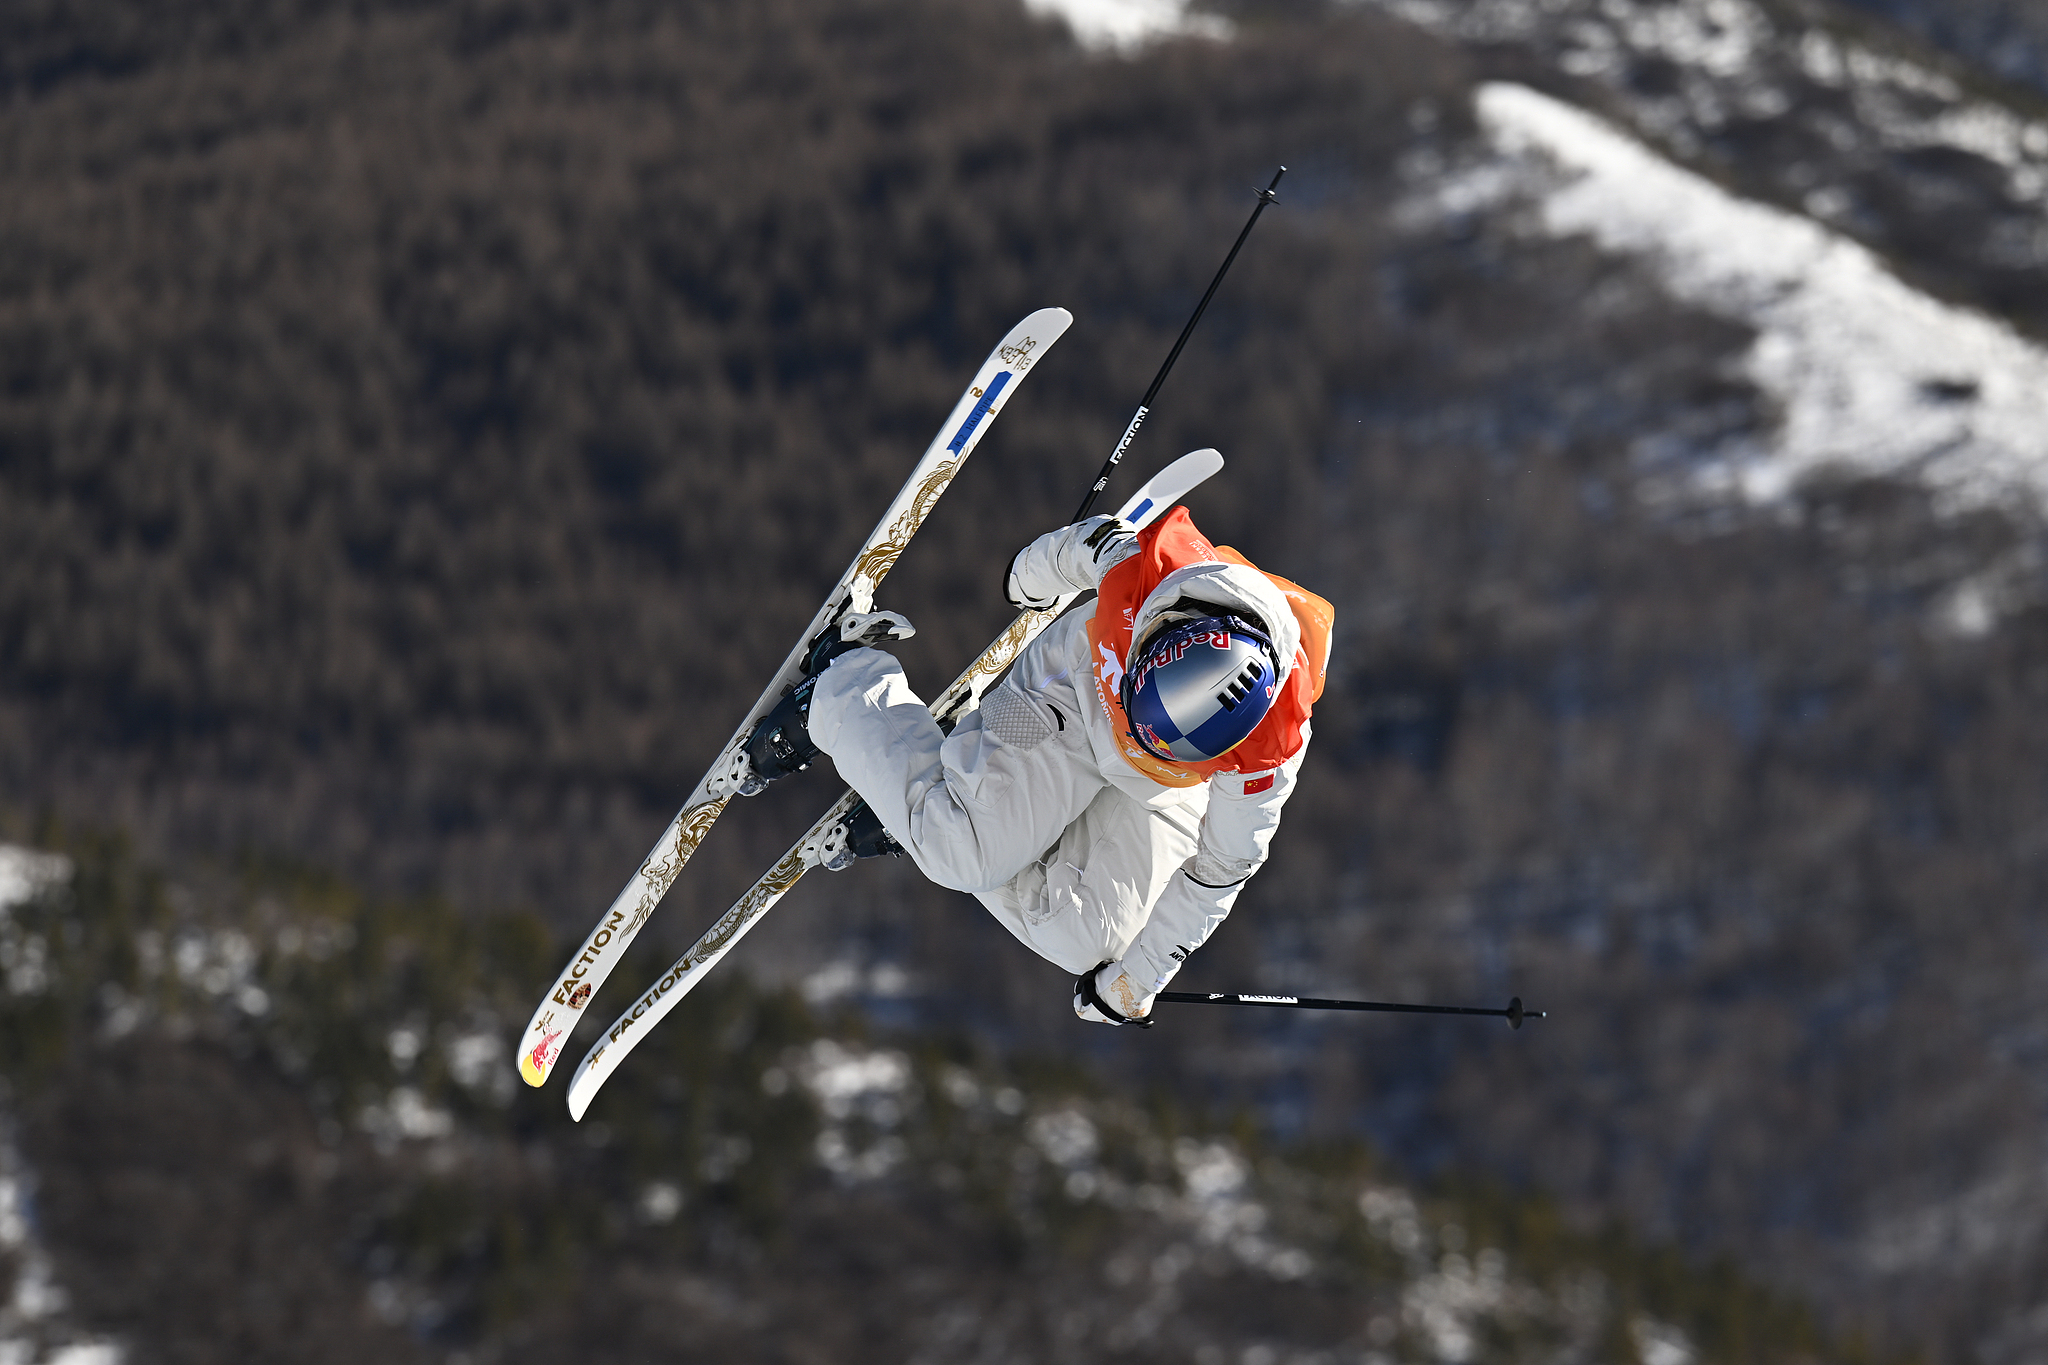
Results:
x,y
1868,372
35,1328
1731,56
1123,26
25,872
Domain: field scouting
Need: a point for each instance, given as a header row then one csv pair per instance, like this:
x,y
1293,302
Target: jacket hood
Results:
x,y
1231,586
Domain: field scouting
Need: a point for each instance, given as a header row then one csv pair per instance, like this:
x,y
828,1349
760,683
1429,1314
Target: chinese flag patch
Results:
x,y
1258,784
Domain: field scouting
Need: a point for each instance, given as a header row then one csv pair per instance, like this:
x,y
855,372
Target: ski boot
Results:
x,y
781,743
859,835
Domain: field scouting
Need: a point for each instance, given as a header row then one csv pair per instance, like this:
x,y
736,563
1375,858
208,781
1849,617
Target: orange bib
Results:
x,y
1172,543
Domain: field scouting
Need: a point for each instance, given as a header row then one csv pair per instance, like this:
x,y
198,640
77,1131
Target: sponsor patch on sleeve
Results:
x,y
1253,786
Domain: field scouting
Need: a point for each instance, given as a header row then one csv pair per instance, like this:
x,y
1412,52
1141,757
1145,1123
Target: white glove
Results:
x,y
1108,996
1070,560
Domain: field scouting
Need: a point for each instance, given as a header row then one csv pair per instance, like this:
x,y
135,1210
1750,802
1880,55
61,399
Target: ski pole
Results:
x,y
1514,1013
1266,196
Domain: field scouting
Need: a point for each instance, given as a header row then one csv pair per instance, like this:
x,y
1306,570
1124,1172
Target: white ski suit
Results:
x,y
1030,804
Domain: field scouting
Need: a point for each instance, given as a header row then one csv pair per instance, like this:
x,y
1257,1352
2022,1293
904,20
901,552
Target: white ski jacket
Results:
x,y
1241,810
1031,804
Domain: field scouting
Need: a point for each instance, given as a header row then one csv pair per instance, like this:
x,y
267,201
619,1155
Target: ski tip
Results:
x,y
1049,324
590,1078
538,1062
581,1093
1170,485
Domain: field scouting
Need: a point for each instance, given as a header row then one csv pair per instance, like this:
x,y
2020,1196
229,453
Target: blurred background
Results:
x,y
424,423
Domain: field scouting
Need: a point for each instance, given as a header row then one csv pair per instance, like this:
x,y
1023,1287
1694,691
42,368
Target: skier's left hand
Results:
x,y
1071,559
1107,995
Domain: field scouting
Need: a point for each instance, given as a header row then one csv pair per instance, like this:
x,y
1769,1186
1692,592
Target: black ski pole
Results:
x,y
1266,196
1514,1013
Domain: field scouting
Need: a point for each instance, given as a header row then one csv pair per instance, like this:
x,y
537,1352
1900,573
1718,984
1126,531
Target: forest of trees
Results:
x,y
272,1118
423,423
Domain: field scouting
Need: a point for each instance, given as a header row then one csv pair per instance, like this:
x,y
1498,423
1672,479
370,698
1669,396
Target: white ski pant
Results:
x,y
1013,806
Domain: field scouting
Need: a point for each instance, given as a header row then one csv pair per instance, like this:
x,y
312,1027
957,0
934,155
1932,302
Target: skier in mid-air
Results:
x,y
1111,797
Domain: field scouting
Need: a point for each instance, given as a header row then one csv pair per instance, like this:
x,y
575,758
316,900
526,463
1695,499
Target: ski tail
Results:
x,y
994,384
682,976
1145,506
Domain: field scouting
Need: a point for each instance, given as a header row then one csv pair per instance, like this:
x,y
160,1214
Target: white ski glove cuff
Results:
x,y
1070,560
1107,995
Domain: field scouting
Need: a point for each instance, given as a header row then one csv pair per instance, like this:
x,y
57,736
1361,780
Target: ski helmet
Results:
x,y
1199,687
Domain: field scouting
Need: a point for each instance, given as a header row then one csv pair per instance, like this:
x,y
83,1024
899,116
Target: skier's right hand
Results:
x,y
1094,990
1070,560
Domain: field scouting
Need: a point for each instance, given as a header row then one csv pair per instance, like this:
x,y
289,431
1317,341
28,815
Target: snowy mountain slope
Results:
x,y
1868,372
1797,103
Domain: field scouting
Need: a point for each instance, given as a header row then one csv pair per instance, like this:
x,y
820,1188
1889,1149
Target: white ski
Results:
x,y
816,847
732,774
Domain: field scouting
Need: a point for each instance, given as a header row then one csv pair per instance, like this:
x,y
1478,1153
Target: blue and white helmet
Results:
x,y
1199,687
